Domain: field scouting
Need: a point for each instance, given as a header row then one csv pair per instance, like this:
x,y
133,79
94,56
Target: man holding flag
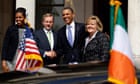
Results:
x,y
121,53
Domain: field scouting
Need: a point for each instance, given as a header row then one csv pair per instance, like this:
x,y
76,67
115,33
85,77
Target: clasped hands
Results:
x,y
51,54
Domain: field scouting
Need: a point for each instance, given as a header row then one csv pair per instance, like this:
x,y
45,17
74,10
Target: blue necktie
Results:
x,y
70,36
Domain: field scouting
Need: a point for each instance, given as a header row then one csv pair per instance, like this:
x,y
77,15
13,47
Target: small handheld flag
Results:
x,y
29,58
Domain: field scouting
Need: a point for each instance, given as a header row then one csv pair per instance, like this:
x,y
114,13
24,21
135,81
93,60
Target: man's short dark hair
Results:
x,y
69,8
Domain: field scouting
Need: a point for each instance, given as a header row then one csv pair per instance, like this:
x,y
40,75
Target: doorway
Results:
x,y
49,6
102,10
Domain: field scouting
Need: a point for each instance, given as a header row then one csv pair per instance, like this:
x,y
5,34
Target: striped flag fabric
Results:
x,y
111,22
121,66
28,58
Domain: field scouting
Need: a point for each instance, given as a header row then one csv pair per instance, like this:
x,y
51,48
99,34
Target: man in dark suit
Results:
x,y
46,40
70,38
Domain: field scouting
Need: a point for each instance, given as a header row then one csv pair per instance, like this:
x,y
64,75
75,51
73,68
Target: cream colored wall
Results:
x,y
30,7
134,28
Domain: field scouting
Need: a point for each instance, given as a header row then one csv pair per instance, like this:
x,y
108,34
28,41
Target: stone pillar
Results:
x,y
82,8
134,28
30,7
6,19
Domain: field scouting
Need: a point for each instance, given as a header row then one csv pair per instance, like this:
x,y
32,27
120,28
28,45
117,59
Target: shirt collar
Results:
x,y
47,30
93,36
72,24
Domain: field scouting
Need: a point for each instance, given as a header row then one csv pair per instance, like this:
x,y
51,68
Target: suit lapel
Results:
x,y
76,34
55,39
16,33
65,36
44,37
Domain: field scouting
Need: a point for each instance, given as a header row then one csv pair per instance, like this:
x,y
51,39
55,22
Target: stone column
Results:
x,y
134,28
30,7
6,19
82,8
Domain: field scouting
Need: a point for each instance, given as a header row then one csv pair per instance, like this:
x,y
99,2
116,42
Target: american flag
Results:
x,y
28,58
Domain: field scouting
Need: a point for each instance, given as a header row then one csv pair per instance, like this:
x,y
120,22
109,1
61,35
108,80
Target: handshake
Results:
x,y
51,54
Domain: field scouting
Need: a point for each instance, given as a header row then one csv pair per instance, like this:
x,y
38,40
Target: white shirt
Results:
x,y
72,30
89,39
52,38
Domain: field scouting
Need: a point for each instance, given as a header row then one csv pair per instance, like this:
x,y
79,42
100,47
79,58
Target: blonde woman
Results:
x,y
96,44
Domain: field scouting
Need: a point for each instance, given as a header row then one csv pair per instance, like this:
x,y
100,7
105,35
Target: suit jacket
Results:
x,y
97,48
71,53
10,43
43,45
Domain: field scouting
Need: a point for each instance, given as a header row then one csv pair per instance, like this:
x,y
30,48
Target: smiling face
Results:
x,y
48,22
19,19
68,16
91,26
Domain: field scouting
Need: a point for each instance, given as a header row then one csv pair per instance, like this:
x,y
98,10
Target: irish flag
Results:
x,y
121,66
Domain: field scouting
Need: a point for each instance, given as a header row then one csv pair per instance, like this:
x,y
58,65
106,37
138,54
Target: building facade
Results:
x,y
82,8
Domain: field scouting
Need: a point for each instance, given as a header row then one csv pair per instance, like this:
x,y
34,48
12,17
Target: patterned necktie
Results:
x,y
70,36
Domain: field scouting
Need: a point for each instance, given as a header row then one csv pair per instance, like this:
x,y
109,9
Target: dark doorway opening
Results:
x,y
102,10
49,6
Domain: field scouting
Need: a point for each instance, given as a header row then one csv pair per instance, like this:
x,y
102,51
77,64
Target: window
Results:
x,y
51,6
